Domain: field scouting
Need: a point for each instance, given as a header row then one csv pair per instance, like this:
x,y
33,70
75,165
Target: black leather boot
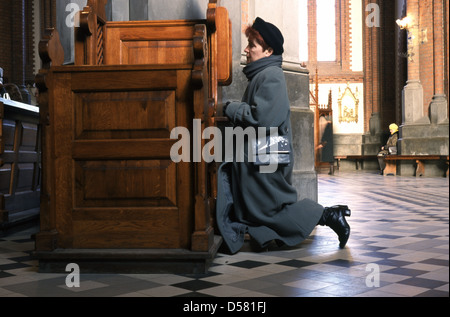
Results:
x,y
334,217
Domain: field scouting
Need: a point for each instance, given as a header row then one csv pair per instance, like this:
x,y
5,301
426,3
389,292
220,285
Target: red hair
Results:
x,y
253,34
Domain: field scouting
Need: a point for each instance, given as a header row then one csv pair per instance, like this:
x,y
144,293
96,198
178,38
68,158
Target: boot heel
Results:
x,y
334,217
343,208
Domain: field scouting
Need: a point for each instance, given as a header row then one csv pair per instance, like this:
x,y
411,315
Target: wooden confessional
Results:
x,y
113,200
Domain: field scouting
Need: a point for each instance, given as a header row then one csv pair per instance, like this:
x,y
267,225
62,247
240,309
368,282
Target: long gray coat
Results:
x,y
262,204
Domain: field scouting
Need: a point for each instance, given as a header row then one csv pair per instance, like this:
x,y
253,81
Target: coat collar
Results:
x,y
255,67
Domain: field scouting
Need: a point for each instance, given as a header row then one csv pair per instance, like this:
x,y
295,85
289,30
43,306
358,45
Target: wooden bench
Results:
x,y
391,162
359,159
19,164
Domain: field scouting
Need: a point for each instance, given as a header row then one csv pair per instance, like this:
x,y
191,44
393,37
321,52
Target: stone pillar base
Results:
x,y
438,110
427,139
413,103
304,177
306,185
423,139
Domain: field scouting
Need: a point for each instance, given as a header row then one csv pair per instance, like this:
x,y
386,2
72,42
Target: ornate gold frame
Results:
x,y
349,109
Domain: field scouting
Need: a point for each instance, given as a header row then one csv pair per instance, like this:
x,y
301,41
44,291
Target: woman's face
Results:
x,y
255,51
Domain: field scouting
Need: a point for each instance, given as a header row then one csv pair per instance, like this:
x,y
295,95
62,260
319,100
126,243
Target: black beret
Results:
x,y
271,35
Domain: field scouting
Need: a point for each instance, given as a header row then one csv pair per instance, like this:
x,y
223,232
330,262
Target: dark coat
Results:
x,y
391,142
327,154
263,204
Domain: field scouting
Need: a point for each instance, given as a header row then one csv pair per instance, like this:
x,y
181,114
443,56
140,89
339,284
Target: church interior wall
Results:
x,y
372,59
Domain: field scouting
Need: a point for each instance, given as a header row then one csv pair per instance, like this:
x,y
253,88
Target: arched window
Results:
x,y
303,30
326,30
317,30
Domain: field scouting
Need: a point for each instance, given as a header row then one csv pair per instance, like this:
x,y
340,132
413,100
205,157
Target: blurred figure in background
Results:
x,y
389,148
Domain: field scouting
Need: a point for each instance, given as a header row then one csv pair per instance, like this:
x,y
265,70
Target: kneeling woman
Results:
x,y
265,205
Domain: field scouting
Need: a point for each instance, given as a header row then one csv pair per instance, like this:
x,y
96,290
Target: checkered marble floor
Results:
x,y
398,248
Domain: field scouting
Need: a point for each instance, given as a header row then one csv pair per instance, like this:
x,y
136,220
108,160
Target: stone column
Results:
x,y
302,121
413,119
120,10
438,106
139,10
413,109
424,133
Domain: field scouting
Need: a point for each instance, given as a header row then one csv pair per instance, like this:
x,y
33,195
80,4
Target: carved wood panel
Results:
x,y
115,185
149,42
100,115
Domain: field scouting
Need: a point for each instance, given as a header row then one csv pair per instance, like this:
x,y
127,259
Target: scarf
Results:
x,y
255,67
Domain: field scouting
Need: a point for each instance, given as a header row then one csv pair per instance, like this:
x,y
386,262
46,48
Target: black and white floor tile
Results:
x,y
399,247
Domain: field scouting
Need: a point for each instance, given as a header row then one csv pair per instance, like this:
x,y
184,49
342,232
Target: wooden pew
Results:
x,y
19,164
359,159
391,162
113,200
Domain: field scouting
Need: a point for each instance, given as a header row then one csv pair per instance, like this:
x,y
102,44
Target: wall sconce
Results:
x,y
404,23
413,32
